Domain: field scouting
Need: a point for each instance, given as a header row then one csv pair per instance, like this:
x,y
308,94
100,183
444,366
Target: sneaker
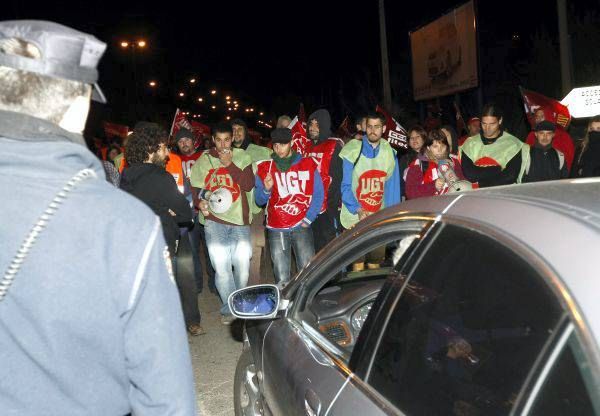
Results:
x,y
227,319
195,330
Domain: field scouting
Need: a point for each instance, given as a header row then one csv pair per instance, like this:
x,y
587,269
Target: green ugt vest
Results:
x,y
498,153
257,154
368,178
118,159
209,173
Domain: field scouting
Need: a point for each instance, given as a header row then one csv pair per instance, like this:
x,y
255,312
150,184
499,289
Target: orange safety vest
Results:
x,y
174,168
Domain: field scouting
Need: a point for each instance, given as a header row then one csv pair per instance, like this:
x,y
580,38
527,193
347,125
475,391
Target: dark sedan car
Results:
x,y
476,303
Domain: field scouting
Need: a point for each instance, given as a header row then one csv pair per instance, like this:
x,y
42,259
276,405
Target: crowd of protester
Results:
x,y
287,199
223,204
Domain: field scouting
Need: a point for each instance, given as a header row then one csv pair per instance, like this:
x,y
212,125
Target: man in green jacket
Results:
x,y
227,226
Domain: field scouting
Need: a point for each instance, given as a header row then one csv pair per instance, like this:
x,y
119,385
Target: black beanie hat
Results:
x,y
183,133
545,126
281,135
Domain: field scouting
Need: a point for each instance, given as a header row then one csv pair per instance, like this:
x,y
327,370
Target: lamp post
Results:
x,y
132,47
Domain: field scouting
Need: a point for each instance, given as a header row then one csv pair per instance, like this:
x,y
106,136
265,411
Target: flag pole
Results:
x,y
173,123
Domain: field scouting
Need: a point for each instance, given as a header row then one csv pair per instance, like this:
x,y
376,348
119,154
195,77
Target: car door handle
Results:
x,y
312,403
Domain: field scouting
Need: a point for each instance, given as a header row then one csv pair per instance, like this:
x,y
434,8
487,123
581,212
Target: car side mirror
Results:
x,y
255,302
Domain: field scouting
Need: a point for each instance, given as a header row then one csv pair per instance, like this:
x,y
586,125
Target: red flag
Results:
x,y
179,121
302,115
346,130
113,129
300,143
199,130
554,111
255,136
395,134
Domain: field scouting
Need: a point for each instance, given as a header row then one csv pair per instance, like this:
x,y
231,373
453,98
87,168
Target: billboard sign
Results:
x,y
444,54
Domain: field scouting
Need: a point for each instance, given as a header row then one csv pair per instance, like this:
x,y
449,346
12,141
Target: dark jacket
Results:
x,y
156,187
545,165
590,159
404,162
334,195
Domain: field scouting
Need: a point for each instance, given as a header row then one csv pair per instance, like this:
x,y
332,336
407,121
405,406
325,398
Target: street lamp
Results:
x,y
133,46
213,107
213,92
182,94
193,81
200,99
152,84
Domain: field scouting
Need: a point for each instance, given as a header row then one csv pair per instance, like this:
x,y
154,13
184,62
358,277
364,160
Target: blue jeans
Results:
x,y
230,250
281,243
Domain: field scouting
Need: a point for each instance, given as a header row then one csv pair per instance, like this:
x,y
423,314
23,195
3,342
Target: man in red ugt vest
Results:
x,y
292,189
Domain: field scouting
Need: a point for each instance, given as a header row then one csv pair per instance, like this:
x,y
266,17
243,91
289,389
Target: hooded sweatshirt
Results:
x,y
325,151
153,185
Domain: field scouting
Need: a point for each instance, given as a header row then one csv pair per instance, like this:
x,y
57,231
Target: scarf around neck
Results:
x,y
283,164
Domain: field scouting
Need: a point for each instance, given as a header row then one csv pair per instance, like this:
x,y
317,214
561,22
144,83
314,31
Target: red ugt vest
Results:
x,y
291,193
323,153
188,161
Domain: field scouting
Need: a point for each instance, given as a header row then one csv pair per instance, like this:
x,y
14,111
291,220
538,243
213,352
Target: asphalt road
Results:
x,y
214,357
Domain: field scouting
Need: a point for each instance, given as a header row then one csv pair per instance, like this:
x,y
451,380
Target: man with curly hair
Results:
x,y
146,153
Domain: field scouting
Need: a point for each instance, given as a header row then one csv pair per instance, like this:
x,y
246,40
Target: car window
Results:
x,y
466,330
565,391
342,302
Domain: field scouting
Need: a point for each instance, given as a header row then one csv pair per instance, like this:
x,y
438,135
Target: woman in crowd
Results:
x,y
416,140
422,178
588,160
452,137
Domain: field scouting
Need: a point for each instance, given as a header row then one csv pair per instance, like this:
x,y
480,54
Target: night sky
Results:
x,y
262,52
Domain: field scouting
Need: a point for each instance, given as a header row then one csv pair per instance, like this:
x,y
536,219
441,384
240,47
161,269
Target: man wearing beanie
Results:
x,y
241,140
184,139
545,162
291,188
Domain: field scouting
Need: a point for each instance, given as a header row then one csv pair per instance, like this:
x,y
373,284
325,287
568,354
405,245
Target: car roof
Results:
x,y
574,196
559,221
